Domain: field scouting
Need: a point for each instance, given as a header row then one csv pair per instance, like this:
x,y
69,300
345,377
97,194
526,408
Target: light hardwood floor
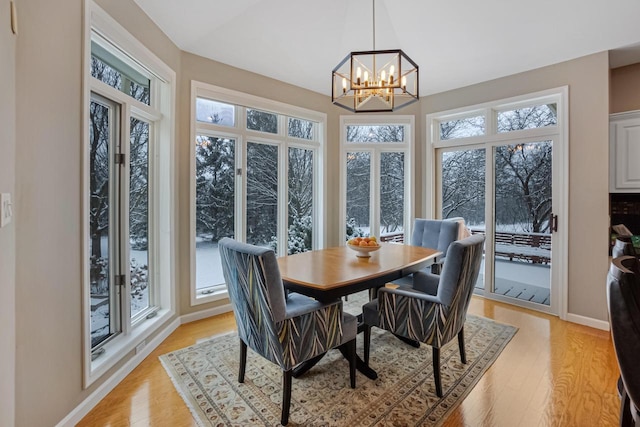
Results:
x,y
552,373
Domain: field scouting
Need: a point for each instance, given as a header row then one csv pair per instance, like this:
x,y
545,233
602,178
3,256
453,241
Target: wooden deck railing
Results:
x,y
393,237
533,247
530,247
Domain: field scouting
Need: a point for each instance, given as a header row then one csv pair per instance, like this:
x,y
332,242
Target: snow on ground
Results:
x,y
208,265
519,272
100,304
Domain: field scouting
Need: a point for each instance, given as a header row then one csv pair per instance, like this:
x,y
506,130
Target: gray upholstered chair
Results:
x,y
434,310
623,297
285,329
435,234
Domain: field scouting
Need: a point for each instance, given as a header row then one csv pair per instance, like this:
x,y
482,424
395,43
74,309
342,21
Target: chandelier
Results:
x,y
375,80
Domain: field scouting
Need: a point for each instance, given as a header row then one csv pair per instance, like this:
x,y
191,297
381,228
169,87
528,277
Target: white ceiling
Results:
x,y
455,42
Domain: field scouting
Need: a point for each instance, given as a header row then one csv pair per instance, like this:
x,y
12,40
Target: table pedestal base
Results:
x,y
364,369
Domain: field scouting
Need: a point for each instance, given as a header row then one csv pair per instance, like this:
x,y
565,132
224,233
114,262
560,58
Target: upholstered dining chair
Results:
x,y
434,310
285,329
623,299
434,234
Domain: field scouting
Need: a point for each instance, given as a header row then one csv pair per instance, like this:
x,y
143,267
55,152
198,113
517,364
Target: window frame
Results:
x,y
375,149
243,136
102,28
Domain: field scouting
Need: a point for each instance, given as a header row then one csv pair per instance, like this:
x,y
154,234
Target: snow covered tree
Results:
x,y
215,186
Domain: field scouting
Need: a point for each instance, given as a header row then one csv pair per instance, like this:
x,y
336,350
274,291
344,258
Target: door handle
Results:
x,y
553,222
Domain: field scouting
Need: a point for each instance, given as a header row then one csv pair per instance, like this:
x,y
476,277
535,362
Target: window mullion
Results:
x,y
115,291
374,213
123,220
241,189
283,199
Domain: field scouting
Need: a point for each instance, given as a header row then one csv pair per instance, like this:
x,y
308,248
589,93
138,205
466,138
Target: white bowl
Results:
x,y
363,251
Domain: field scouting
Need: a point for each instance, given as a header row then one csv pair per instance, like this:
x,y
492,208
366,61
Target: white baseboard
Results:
x,y
110,383
198,315
94,398
588,321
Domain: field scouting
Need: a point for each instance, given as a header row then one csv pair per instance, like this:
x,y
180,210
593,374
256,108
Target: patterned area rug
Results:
x,y
206,376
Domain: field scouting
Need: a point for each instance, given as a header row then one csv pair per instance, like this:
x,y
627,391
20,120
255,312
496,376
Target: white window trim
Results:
x,y
407,147
242,136
560,134
161,192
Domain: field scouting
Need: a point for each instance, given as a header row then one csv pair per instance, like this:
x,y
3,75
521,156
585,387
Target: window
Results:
x,y
209,111
256,173
464,127
128,277
215,205
527,118
262,121
376,175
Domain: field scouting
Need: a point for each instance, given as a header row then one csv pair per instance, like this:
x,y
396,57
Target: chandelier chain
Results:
x,y
374,24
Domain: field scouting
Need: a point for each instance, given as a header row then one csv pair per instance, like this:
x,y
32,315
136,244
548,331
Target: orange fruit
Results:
x,y
366,239
373,243
363,243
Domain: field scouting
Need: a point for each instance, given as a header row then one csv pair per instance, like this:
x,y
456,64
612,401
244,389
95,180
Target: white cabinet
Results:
x,y
624,152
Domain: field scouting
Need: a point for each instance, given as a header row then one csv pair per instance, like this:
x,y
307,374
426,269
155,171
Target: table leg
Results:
x,y
364,369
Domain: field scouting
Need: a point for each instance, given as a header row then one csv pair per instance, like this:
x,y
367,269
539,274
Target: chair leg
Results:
x,y
351,349
367,343
436,269
436,371
463,354
286,396
243,361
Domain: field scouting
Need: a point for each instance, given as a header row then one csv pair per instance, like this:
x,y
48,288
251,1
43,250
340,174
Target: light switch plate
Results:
x,y
5,209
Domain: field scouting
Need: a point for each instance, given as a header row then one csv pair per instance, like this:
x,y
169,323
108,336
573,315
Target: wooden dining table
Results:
x,y
329,274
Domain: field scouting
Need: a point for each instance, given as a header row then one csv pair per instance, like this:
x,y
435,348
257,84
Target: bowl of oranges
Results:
x,y
363,245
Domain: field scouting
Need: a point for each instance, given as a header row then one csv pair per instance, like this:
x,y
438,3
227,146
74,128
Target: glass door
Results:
x,y
523,222
463,192
509,199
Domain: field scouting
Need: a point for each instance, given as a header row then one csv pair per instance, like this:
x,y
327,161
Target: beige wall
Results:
x,y
588,222
48,321
625,89
7,233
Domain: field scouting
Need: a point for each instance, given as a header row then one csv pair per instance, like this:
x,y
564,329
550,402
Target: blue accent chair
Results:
x,y
285,329
434,309
435,234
